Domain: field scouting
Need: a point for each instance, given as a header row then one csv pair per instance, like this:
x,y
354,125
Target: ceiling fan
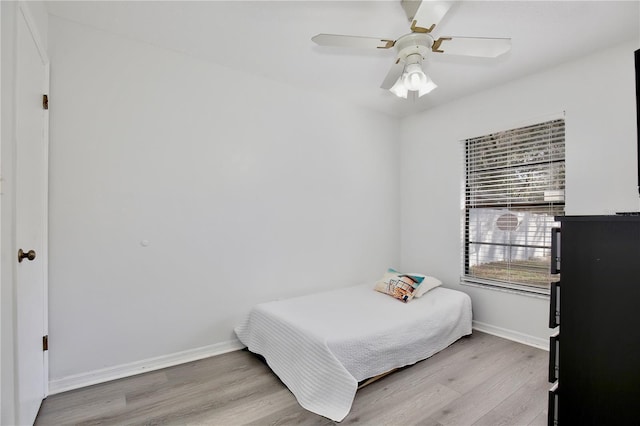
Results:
x,y
406,76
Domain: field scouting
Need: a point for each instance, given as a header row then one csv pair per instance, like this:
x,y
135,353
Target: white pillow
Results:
x,y
427,284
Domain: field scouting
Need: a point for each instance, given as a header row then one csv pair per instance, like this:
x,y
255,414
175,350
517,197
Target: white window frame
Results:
x,y
509,199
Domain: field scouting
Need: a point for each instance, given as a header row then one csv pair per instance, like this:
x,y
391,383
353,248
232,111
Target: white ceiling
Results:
x,y
273,39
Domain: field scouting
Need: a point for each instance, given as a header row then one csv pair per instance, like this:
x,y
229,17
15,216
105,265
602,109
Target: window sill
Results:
x,y
521,291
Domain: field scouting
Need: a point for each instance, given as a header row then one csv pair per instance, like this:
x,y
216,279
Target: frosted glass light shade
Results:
x,y
427,87
414,77
399,89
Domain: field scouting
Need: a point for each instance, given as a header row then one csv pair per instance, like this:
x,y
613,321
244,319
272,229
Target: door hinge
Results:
x,y
45,101
45,343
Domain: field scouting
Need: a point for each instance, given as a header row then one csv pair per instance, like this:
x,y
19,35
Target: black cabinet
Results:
x,y
595,356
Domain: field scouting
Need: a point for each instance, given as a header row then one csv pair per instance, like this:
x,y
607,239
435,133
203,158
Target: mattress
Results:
x,y
322,345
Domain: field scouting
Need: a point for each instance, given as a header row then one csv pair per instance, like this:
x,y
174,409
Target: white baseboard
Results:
x,y
516,336
125,370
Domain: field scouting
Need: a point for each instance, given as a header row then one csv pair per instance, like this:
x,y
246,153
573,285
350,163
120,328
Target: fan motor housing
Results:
x,y
414,43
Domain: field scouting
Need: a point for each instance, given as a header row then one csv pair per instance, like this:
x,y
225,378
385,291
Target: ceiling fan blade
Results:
x,y
352,41
472,46
393,75
424,15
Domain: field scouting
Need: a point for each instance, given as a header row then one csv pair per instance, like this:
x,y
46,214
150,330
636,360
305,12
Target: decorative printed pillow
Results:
x,y
399,286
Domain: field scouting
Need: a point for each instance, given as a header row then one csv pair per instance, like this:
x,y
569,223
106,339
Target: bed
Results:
x,y
322,345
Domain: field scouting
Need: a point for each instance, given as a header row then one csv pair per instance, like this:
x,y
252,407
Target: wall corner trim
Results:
x,y
515,336
89,378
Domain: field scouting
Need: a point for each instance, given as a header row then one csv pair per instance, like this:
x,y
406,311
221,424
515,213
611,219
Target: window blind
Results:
x,y
514,186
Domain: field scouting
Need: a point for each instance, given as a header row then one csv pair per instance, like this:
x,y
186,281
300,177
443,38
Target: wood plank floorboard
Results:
x,y
481,380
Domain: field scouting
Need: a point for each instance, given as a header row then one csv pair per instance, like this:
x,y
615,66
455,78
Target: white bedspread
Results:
x,y
323,344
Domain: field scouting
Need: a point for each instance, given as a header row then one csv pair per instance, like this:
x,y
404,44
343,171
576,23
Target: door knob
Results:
x,y
30,255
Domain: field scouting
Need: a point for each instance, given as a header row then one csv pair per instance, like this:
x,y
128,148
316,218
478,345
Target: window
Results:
x,y
514,186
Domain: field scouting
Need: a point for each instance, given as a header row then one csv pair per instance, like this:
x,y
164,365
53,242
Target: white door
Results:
x,y
30,218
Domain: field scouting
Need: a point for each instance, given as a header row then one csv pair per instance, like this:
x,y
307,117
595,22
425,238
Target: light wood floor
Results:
x,y
479,380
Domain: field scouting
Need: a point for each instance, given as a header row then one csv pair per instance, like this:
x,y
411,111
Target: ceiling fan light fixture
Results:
x,y
413,79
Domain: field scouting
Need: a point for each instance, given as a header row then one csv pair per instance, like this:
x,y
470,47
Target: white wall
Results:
x,y
8,13
597,94
245,190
